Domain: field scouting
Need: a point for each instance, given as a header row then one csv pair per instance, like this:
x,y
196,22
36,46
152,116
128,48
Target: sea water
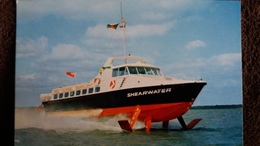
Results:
x,y
220,126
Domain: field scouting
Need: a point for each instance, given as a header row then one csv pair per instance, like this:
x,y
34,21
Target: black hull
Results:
x,y
129,97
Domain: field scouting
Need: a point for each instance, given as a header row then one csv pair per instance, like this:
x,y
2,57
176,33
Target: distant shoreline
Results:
x,y
217,106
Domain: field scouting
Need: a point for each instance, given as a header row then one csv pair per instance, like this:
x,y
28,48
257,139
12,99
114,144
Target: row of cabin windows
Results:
x,y
77,93
136,70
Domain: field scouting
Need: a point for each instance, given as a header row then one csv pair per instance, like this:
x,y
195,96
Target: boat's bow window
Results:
x,y
144,71
123,71
115,72
141,70
119,71
159,72
149,71
132,70
156,71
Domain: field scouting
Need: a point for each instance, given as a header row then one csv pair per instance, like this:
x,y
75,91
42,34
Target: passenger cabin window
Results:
x,y
60,95
78,92
72,93
97,89
84,91
66,94
55,96
90,90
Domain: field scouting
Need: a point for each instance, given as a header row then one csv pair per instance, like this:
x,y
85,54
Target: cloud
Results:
x,y
226,60
102,37
144,30
64,52
221,72
219,64
97,9
70,57
195,44
30,48
27,77
141,30
76,10
24,81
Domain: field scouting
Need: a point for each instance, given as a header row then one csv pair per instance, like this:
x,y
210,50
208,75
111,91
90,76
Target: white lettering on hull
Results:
x,y
149,92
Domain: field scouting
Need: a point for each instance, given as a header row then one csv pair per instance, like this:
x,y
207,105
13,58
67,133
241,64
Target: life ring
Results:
x,y
97,81
112,84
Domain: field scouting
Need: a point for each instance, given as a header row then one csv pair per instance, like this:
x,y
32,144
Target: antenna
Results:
x,y
121,10
123,26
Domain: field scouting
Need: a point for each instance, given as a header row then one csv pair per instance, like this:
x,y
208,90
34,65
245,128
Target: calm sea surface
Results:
x,y
218,127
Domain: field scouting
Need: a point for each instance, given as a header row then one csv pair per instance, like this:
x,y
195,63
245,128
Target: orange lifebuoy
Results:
x,y
112,84
97,81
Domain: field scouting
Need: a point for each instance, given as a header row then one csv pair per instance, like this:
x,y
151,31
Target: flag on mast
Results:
x,y
71,74
113,26
123,24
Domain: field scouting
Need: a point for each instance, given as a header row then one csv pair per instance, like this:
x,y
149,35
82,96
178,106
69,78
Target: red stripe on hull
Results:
x,y
158,112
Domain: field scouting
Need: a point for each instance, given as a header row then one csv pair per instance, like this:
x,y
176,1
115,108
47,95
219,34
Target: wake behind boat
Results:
x,y
134,87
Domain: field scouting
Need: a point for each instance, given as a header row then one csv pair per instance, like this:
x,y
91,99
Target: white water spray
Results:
x,y
31,118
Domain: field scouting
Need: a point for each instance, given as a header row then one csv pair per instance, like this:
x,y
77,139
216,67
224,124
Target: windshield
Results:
x,y
136,70
119,71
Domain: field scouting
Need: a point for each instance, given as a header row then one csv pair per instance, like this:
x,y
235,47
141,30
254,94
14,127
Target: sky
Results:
x,y
187,39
